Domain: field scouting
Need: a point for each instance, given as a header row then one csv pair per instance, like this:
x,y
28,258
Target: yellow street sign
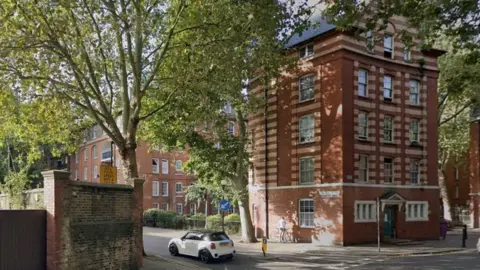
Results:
x,y
108,174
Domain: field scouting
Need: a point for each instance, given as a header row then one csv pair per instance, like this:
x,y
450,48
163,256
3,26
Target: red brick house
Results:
x,y
354,122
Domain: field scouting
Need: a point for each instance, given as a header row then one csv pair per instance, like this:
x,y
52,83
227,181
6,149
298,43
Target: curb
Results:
x,y
432,253
177,262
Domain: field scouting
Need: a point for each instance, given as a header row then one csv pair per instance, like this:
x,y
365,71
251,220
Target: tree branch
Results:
x,y
165,103
453,116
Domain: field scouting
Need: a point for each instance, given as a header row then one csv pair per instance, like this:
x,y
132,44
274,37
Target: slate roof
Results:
x,y
311,32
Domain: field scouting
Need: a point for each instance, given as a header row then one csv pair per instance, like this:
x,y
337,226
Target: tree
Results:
x,y
164,62
200,191
458,20
458,93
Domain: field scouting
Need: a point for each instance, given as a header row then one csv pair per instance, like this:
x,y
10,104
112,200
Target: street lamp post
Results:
x,y
223,183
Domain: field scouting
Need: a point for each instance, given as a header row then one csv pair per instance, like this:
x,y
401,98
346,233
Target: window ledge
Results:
x,y
307,58
303,143
307,227
361,140
364,97
365,221
416,219
306,100
415,106
388,143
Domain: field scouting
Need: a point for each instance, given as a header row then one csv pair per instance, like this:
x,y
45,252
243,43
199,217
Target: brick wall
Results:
x,y
91,225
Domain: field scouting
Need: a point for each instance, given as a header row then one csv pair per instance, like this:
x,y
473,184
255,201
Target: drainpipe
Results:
x,y
266,162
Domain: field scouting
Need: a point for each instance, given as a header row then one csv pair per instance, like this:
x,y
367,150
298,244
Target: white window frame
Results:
x,y
300,213
414,92
164,194
310,89
155,165
194,208
410,211
370,214
370,42
85,154
76,174
414,171
155,205
176,187
177,167
176,208
407,56
85,173
363,166
94,150
362,82
303,170
306,51
414,130
77,159
387,49
306,129
164,166
231,128
363,125
387,88
388,123
155,189
166,207
227,107
94,133
95,171
388,170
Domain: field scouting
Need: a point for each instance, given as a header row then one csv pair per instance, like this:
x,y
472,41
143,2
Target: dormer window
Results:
x,y
306,51
370,43
388,46
406,53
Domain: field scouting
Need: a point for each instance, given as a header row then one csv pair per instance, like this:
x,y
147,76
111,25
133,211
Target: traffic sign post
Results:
x,y
224,206
264,246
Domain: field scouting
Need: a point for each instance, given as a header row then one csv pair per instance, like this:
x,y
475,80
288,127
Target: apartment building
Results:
x,y
165,181
354,123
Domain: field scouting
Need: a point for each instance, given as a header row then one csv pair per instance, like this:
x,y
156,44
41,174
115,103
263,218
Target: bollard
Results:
x,y
464,236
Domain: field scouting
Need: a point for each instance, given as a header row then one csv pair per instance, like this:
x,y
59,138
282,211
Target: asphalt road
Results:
x,y
458,261
157,245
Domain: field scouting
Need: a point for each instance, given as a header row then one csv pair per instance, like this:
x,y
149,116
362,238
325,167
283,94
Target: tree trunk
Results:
x,y
129,163
447,209
248,233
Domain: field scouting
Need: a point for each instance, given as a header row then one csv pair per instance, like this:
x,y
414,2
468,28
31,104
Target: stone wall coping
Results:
x,y
35,190
99,185
56,175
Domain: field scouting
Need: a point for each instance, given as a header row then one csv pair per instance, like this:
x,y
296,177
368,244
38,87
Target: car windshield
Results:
x,y
218,236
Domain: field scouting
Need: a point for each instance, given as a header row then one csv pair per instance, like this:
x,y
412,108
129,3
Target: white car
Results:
x,y
205,245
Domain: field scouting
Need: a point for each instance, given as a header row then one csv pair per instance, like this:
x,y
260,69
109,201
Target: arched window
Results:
x,y
94,152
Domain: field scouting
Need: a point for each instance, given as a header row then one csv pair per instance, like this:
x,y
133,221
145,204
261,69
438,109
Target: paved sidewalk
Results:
x,y
293,251
160,263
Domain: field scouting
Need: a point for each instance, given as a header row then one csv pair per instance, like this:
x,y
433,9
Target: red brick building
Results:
x,y
165,182
354,122
474,170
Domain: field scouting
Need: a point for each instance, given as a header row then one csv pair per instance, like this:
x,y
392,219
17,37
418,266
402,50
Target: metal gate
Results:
x,y
22,239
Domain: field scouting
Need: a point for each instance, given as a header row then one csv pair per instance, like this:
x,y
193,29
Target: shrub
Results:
x,y
214,222
166,219
232,218
198,216
150,216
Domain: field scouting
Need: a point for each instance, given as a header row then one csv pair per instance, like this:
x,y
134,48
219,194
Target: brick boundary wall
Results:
x,y
91,225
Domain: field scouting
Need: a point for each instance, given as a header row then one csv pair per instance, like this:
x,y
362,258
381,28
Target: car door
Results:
x,y
182,249
191,242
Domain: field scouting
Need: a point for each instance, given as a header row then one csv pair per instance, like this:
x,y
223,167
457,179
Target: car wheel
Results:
x,y
229,258
173,250
205,256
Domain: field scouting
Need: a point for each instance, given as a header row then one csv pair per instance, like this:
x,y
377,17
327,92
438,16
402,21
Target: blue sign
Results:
x,y
224,205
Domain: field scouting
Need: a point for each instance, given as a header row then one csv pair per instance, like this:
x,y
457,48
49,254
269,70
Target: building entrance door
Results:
x,y
389,221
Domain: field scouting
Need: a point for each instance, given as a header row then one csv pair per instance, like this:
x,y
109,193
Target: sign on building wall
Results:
x,y
329,194
108,174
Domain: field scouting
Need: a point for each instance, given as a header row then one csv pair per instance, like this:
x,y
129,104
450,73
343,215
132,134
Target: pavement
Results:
x,y
310,256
